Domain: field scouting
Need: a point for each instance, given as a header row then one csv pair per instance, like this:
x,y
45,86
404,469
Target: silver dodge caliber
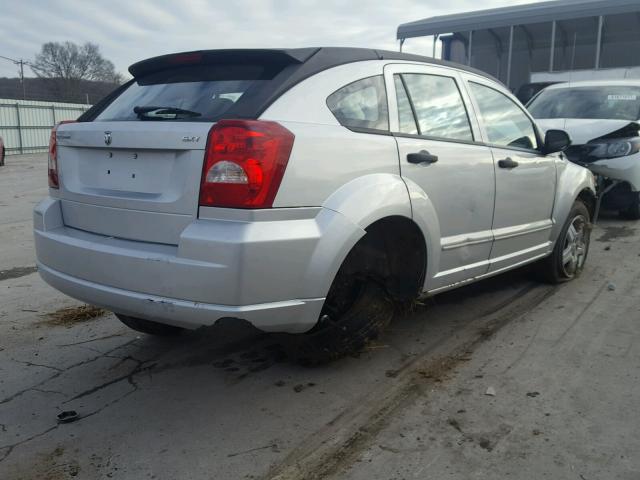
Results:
x,y
306,191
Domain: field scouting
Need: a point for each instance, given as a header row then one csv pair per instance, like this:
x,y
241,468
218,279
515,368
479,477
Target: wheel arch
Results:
x,y
574,183
590,200
377,205
393,252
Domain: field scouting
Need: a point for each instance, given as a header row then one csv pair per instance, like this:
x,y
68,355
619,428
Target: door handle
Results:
x,y
507,163
422,157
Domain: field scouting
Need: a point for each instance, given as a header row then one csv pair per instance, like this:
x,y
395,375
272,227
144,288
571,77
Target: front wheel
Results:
x,y
569,255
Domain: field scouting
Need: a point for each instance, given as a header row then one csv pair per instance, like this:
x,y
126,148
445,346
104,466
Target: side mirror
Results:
x,y
556,141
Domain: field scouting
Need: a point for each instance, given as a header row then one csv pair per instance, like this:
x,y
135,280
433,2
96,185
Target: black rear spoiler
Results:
x,y
288,66
280,57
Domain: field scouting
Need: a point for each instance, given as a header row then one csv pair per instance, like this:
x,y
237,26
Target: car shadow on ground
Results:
x,y
237,350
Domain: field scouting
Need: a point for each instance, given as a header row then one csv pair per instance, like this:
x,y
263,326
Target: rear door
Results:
x,y
439,150
525,178
134,171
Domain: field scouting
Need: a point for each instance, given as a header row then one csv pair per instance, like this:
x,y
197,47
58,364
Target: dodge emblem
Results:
x,y
107,138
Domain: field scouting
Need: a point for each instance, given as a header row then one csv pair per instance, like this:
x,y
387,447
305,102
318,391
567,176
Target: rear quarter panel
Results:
x,y
326,155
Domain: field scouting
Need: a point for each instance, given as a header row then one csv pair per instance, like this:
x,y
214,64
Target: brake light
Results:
x,y
53,156
244,163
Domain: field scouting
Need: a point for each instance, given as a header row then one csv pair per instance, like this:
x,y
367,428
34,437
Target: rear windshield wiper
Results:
x,y
163,113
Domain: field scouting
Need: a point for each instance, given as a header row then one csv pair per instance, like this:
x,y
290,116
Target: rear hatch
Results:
x,y
133,170
143,185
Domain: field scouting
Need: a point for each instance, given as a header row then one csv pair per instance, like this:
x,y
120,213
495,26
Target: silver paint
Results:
x,y
147,250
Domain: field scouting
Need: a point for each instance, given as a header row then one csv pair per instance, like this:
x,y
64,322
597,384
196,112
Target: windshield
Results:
x,y
605,102
196,93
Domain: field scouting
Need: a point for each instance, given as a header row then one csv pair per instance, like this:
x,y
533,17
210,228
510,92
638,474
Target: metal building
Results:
x,y
544,41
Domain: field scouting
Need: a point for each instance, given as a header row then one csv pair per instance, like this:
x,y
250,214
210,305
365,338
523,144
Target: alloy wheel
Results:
x,y
576,242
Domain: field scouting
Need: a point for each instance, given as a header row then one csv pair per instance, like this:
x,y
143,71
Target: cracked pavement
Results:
x,y
223,402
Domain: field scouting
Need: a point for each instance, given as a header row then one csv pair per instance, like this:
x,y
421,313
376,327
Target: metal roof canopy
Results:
x,y
516,15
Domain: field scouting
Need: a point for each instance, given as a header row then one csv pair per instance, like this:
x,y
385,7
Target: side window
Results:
x,y
438,105
361,104
505,123
406,120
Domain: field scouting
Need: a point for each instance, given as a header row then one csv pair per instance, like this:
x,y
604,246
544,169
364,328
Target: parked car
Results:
x,y
529,90
306,191
603,119
2,152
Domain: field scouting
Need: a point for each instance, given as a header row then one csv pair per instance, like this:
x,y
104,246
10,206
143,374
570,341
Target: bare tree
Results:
x,y
69,64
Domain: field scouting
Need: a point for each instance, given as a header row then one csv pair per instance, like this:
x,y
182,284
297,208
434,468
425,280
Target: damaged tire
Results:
x,y
334,337
383,272
571,249
357,309
149,327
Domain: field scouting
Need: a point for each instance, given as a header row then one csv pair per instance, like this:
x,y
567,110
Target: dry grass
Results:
x,y
72,315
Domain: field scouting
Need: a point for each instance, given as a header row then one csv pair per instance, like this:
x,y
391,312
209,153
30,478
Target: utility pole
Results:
x,y
24,88
21,63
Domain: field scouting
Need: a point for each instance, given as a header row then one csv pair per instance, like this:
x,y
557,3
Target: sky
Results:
x,y
131,30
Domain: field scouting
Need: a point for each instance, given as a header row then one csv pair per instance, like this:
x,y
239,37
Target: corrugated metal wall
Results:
x,y
25,125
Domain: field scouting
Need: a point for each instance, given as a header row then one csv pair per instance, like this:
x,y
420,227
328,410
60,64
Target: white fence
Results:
x,y
25,125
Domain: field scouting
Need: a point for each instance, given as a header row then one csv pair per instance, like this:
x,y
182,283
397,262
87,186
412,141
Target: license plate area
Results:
x,y
138,171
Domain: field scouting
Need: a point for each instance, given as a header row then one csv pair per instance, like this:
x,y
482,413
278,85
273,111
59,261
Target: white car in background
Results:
x,y
603,120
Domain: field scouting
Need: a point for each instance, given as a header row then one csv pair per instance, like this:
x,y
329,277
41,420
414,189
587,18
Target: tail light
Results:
x,y
53,156
244,163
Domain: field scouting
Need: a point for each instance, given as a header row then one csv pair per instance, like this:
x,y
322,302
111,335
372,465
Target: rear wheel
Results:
x,y
381,274
2,152
571,249
632,212
355,312
149,327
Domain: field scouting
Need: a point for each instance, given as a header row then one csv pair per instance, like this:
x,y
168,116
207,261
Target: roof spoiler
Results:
x,y
235,56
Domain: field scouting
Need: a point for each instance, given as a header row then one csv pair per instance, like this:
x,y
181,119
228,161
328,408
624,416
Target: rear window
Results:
x,y
361,104
190,93
614,102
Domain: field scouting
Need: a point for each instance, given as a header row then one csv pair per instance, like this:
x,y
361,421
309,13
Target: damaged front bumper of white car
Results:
x,y
615,155
615,158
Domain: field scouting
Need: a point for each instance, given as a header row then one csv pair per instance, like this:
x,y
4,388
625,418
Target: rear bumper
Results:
x,y
275,316
273,272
